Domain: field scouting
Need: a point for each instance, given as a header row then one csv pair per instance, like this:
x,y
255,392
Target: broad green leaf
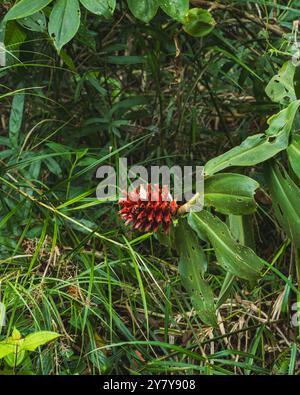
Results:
x,y
25,8
64,22
176,9
15,36
198,22
53,166
37,339
285,197
15,358
297,82
283,120
234,257
105,8
230,193
187,244
35,23
260,147
280,89
144,10
16,116
241,227
6,349
12,344
192,265
293,151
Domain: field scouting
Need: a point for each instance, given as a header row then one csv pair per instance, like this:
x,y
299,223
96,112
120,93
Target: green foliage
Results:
x,y
192,266
260,147
14,348
65,16
64,22
26,8
198,22
286,195
293,151
281,87
16,116
144,10
176,9
99,7
237,259
231,193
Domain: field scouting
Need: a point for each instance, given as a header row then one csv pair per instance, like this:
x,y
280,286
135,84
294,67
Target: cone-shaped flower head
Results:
x,y
147,208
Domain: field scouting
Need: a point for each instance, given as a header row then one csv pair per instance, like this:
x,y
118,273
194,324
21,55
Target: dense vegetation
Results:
x,y
161,82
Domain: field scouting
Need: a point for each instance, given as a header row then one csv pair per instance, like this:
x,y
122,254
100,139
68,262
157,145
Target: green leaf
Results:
x,y
104,8
2,54
16,116
12,344
16,335
260,147
192,265
53,166
280,89
176,9
25,8
296,82
188,246
6,349
35,23
234,257
198,22
99,360
293,151
241,227
37,339
15,358
226,288
231,193
144,10
64,22
285,197
15,36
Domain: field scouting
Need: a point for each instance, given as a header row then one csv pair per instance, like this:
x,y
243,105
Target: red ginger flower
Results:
x,y
147,209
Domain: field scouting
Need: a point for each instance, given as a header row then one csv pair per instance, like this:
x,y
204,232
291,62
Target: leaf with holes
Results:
x,y
192,265
234,257
231,193
285,196
280,89
260,147
35,23
64,22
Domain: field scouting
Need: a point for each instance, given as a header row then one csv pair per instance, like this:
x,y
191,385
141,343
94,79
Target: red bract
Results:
x,y
148,208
